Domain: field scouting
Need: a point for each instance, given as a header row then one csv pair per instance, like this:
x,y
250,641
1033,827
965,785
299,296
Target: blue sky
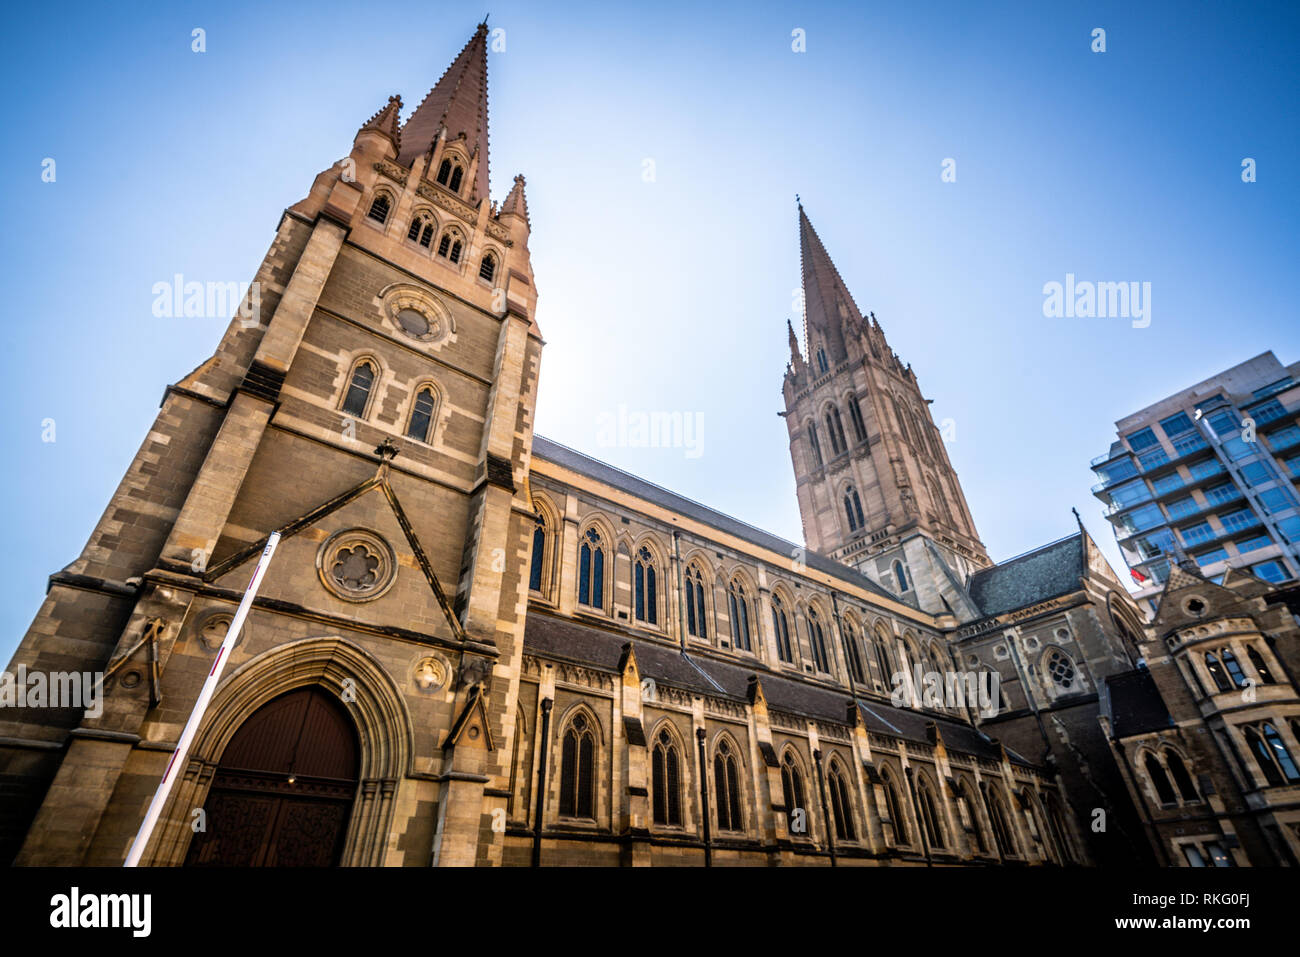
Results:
x,y
672,295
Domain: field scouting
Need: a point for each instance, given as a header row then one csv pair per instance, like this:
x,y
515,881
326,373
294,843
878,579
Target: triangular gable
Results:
x,y
473,715
378,485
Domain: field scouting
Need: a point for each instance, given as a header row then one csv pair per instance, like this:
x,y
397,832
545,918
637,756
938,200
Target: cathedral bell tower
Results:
x,y
876,489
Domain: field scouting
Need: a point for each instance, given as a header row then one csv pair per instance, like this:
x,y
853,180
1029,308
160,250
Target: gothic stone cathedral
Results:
x,y
477,646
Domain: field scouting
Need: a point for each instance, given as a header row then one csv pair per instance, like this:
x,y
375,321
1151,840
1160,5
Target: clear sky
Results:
x,y
672,295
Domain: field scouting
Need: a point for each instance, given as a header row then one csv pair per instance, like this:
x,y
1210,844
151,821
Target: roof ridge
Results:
x,y
664,488
1032,551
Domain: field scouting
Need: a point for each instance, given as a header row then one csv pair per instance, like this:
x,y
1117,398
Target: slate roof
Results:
x,y
1027,579
1134,705
563,639
551,451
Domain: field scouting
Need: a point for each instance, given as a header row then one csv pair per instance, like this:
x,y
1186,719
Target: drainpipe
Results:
x,y
821,793
704,799
547,704
916,812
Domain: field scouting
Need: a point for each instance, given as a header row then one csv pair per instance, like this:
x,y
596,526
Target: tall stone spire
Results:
x,y
828,306
458,102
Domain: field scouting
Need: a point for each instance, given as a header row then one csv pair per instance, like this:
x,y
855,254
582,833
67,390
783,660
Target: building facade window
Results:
x,y
538,553
796,812
379,208
853,509
357,399
421,422
781,631
577,770
817,642
855,416
645,587
1159,781
667,781
591,570
930,814
696,620
726,785
739,607
841,806
894,808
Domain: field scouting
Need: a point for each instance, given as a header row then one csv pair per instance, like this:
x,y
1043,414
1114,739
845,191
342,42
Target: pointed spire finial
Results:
x,y
457,103
387,121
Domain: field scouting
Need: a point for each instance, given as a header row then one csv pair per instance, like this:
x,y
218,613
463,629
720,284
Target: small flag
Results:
x,y
1137,576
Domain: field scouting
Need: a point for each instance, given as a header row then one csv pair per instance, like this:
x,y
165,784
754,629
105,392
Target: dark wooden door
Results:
x,y
283,790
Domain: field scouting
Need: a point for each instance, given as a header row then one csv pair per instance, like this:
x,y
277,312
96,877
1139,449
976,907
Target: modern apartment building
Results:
x,y
1209,473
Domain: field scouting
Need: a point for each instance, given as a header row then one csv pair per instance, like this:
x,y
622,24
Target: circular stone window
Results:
x,y
414,323
356,565
1194,607
416,314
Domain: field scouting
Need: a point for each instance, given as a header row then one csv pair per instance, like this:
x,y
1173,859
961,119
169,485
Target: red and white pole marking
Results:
x,y
196,716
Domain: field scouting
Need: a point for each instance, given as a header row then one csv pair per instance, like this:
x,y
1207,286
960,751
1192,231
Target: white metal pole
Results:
x,y
200,706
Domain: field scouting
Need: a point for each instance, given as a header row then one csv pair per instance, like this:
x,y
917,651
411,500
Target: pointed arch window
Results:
x,y
456,175
421,421
645,587
853,509
359,389
855,417
379,208
902,423
421,231
1257,662
487,267
940,501
1160,781
817,640
781,630
815,445
666,771
884,660
822,366
967,812
591,570
539,553
1183,780
1216,672
930,815
444,172
738,604
577,770
900,576
841,806
726,784
998,818
450,246
894,808
796,812
835,429
1234,669
851,652
696,621
1272,755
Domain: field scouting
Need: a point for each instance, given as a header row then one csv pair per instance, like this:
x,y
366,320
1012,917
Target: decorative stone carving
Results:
x,y
356,565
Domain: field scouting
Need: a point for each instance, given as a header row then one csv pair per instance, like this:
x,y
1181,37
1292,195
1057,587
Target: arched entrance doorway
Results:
x,y
283,790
